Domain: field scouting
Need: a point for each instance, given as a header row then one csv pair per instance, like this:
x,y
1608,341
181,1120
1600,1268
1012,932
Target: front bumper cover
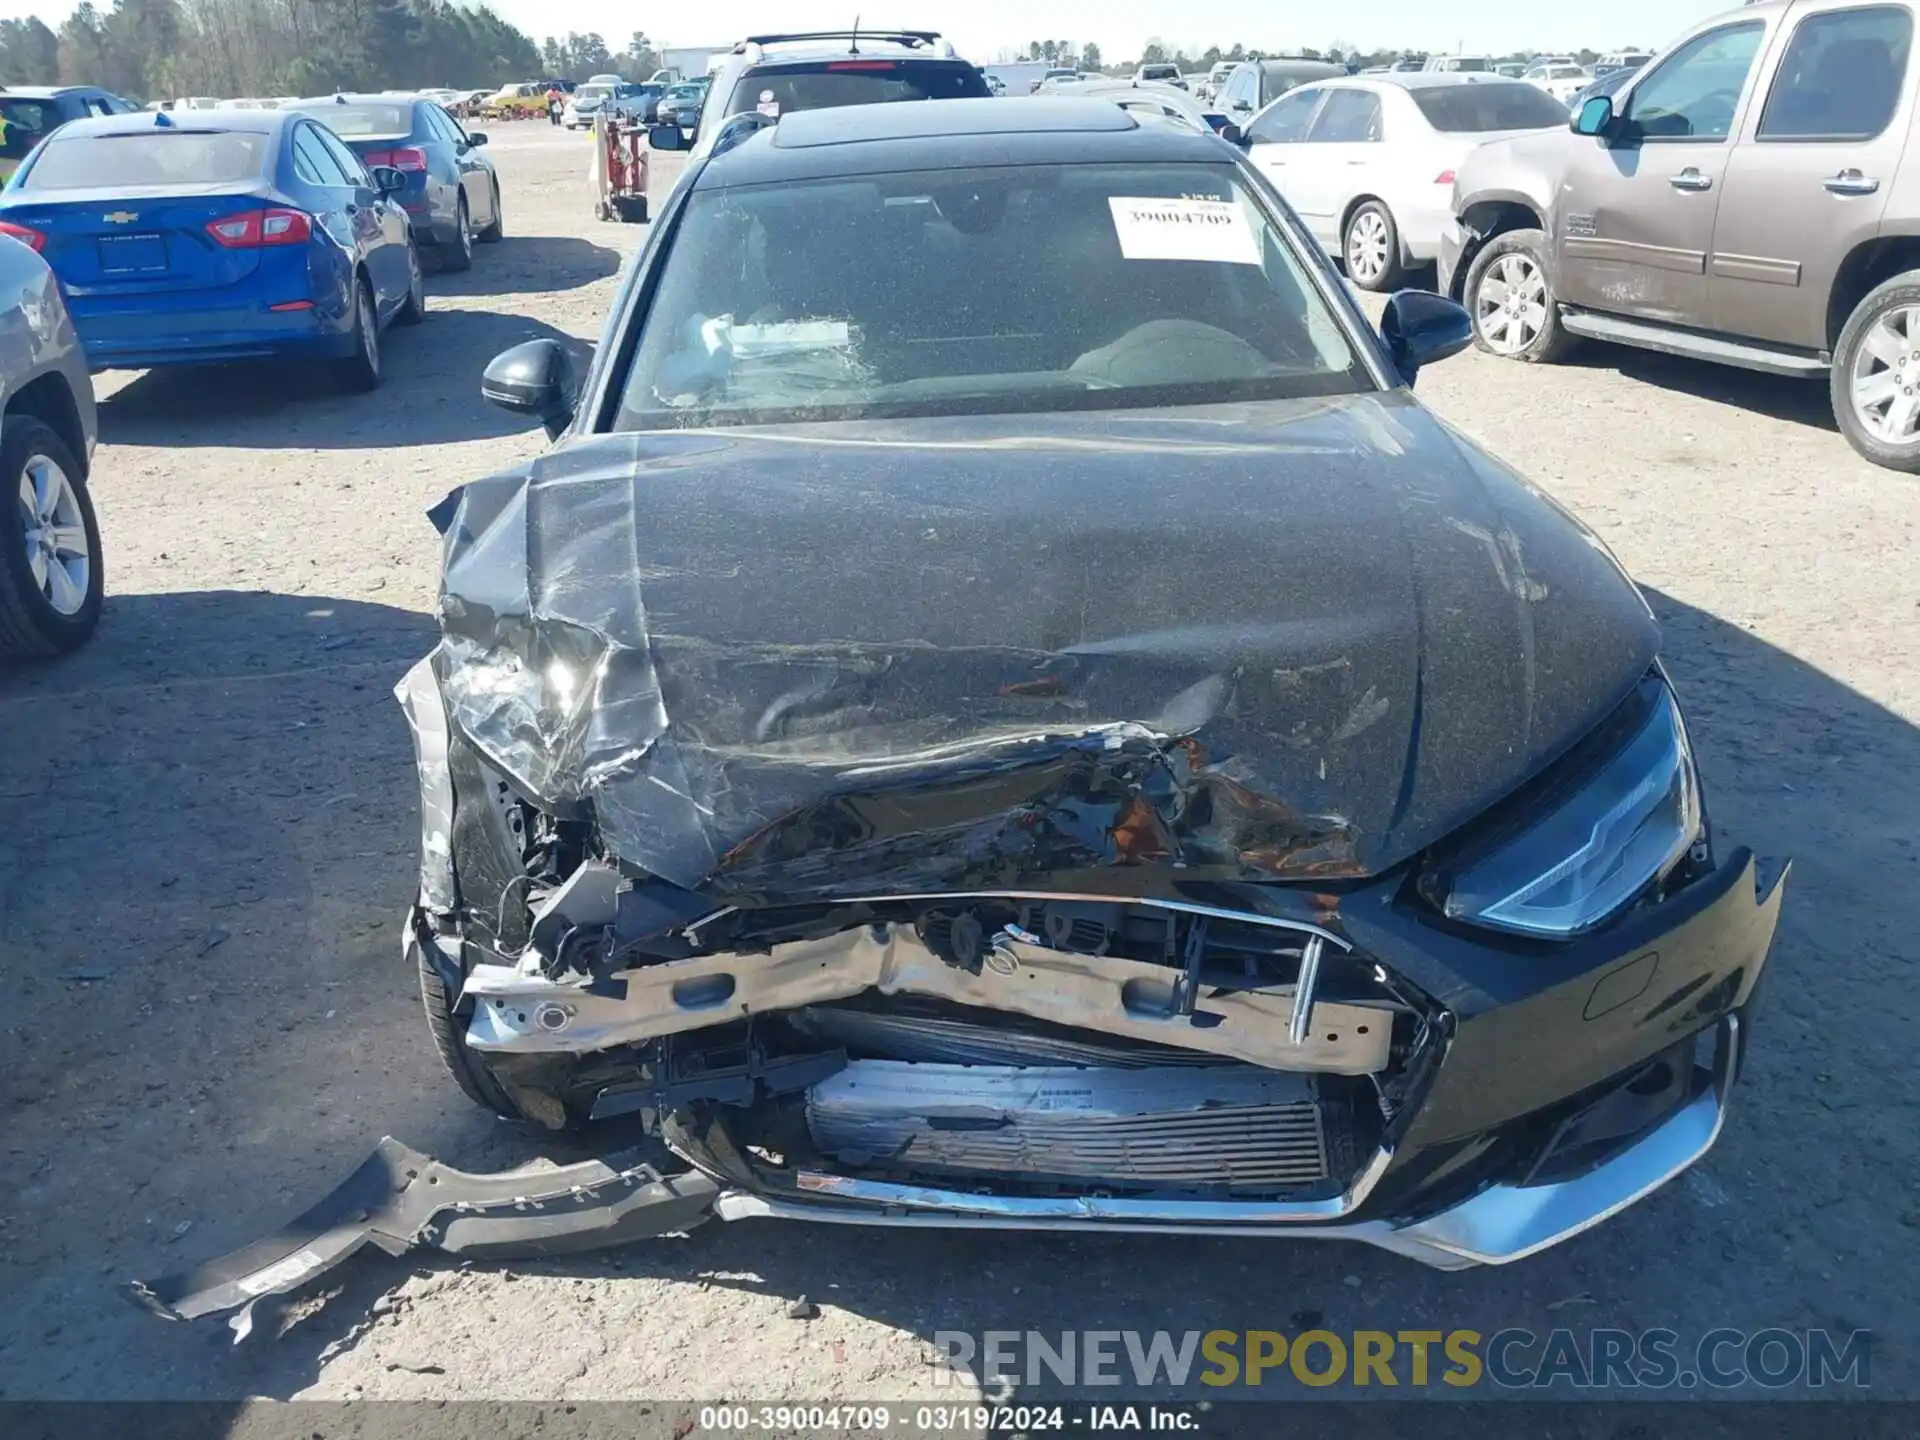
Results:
x,y
399,1199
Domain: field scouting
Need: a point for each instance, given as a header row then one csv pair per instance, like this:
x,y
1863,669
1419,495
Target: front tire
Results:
x,y
1371,248
469,1072
1875,380
51,583
457,255
1514,313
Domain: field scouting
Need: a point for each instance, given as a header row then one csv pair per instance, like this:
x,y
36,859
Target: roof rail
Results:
x,y
915,37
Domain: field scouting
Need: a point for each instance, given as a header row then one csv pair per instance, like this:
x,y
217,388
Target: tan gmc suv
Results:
x,y
1751,196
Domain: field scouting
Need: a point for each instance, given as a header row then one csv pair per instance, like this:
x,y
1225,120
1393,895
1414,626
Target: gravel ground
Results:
x,y
213,841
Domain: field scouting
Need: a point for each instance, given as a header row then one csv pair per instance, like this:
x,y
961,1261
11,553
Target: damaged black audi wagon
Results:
x,y
1002,710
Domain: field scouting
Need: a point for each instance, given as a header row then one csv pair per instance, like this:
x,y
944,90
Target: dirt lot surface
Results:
x,y
212,837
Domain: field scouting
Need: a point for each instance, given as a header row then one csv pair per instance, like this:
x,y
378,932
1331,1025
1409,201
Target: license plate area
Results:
x,y
132,254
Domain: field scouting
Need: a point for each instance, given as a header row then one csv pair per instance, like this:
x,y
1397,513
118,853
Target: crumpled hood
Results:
x,y
1281,640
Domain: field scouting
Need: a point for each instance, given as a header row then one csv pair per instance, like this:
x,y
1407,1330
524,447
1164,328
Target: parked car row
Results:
x,y
228,235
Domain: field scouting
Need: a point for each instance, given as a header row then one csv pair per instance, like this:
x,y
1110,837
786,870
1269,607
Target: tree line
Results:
x,y
160,49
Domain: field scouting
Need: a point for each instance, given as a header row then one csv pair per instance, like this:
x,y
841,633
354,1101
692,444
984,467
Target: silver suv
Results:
x,y
50,580
1748,197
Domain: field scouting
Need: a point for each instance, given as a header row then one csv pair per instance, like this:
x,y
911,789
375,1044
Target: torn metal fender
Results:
x,y
398,1199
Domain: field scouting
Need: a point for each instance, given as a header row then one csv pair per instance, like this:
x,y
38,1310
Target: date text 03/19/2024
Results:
x,y
948,1419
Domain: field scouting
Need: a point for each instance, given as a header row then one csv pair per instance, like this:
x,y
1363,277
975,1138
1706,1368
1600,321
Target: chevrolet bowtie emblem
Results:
x,y
120,217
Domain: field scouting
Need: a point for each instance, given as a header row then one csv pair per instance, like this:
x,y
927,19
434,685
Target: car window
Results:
x,y
1694,92
24,124
350,164
1496,105
1285,122
818,85
446,127
957,292
361,120
1349,116
157,157
100,105
1841,76
314,161
1240,89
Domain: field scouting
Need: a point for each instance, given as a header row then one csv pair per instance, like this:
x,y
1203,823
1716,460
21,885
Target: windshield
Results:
x,y
1159,72
158,157
1497,105
24,124
592,92
1565,72
353,121
961,292
820,85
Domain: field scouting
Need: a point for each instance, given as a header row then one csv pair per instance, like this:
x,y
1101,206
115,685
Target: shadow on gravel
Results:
x,y
232,766
1800,402
530,264
429,395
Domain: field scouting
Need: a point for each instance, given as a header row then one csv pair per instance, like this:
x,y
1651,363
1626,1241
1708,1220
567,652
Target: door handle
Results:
x,y
1850,182
1691,179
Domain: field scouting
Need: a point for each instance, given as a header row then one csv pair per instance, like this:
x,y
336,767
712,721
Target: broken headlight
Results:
x,y
1626,824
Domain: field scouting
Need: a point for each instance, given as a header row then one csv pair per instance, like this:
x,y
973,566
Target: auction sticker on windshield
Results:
x,y
1152,229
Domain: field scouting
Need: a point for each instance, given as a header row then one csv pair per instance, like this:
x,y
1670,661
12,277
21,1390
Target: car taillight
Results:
x,y
1445,177
23,234
404,157
256,229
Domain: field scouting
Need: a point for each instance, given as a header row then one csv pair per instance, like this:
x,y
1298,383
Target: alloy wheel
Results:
x,y
1510,307
1885,380
1367,246
58,556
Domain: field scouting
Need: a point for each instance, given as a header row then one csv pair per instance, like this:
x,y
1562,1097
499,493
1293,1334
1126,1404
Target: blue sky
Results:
x,y
982,27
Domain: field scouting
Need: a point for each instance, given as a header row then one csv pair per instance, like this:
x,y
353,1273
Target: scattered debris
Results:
x,y
214,937
84,976
1352,1282
416,1369
803,1309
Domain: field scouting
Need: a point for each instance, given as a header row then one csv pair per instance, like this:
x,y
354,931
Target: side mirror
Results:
x,y
476,137
534,378
666,137
387,180
1419,328
1595,117
1233,135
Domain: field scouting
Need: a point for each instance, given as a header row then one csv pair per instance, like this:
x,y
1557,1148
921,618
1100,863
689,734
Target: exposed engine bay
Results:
x,y
1025,1044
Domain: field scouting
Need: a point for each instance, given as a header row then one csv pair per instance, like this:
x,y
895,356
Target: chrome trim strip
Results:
x,y
1046,1209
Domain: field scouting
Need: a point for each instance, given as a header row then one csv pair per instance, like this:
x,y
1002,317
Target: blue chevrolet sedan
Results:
x,y
219,235
452,196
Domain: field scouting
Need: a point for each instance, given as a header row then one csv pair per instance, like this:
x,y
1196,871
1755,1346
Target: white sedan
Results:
x,y
1367,161
1562,82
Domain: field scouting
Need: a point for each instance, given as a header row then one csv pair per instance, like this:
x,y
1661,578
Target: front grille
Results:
x,y
1235,1127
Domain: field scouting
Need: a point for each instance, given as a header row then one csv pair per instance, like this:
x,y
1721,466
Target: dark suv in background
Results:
x,y
30,113
775,75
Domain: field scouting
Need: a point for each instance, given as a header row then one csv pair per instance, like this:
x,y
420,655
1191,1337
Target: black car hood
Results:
x,y
1293,640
